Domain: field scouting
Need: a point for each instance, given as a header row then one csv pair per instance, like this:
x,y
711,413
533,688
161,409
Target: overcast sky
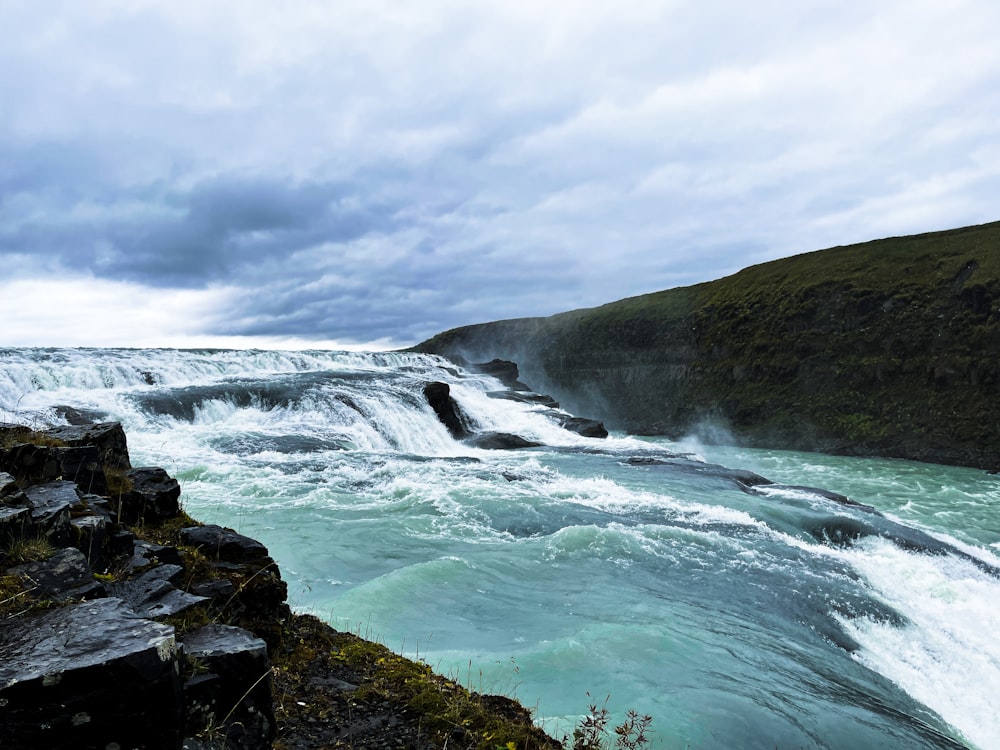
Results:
x,y
341,172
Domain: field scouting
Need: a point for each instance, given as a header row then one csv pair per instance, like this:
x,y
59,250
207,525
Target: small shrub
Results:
x,y
592,731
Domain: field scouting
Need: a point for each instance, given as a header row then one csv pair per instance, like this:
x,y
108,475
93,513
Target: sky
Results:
x,y
365,174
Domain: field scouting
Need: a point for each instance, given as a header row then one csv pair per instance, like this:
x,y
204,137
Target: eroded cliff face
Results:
x,y
887,348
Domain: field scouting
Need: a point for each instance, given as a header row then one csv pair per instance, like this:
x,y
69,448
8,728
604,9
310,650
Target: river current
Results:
x,y
849,603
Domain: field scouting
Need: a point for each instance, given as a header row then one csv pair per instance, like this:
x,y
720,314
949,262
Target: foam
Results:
x,y
948,657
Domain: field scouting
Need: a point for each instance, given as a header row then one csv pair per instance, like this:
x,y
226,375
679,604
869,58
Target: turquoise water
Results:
x,y
738,616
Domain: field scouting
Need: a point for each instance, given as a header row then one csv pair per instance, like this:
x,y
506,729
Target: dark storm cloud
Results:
x,y
223,230
220,230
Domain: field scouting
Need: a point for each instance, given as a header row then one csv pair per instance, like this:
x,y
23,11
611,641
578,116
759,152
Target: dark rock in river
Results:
x,y
439,398
525,397
583,426
79,417
500,441
744,479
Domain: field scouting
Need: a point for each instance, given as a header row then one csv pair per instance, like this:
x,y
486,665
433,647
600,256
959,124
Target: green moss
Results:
x,y
446,710
18,597
485,721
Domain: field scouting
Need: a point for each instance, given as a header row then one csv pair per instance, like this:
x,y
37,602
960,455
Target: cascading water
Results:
x,y
738,614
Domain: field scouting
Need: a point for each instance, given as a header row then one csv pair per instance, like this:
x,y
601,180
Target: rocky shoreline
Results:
x,y
124,623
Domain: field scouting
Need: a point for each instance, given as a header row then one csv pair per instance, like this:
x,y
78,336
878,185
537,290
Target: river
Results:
x,y
848,603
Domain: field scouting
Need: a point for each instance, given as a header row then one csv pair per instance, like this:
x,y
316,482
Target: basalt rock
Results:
x,y
15,516
31,464
230,694
103,674
503,370
260,593
64,576
500,441
153,593
220,543
50,506
439,398
89,534
79,417
525,397
107,437
14,524
8,487
89,675
147,554
153,496
583,426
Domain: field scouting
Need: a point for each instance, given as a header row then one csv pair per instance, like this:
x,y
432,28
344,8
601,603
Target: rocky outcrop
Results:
x,y
89,636
153,496
32,464
224,544
583,426
887,348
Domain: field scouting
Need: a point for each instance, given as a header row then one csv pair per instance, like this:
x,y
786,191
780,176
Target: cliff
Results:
x,y
887,348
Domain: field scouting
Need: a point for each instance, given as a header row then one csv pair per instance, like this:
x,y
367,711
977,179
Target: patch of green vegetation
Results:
x,y
18,596
166,531
15,596
592,732
31,549
118,482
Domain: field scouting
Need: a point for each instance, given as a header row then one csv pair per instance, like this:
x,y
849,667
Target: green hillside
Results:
x,y
890,347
